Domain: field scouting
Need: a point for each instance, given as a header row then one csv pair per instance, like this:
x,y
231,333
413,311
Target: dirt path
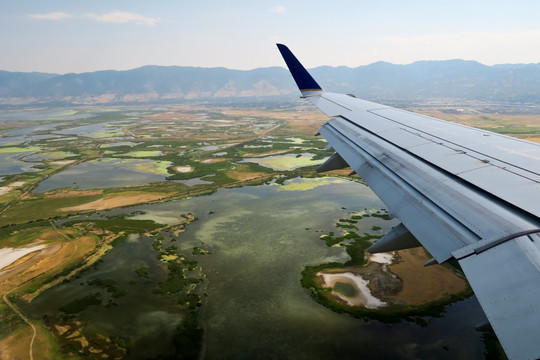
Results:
x,y
29,265
18,312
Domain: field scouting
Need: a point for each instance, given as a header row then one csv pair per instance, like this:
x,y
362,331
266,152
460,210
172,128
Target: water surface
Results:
x,y
107,172
259,239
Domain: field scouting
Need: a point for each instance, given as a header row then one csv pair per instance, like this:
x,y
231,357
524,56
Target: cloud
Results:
x,y
51,16
115,17
279,9
120,17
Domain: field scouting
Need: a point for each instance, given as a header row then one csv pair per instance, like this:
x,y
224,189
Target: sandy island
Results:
x,y
419,285
183,169
209,161
382,258
63,162
8,188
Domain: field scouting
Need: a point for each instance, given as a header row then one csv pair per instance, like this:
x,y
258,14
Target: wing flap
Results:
x,y
440,236
506,281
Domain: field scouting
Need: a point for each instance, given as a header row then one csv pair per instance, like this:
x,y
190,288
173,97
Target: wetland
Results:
x,y
204,232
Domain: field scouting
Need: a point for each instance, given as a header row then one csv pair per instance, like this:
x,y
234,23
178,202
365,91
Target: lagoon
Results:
x,y
259,239
107,172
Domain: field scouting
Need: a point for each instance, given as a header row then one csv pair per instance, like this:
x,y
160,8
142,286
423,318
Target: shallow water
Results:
x,y
10,164
259,240
100,130
193,182
119,173
285,162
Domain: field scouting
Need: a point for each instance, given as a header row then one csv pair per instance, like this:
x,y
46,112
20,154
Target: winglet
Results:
x,y
303,79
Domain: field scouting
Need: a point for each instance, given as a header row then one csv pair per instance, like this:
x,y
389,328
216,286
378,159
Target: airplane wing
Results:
x,y
463,193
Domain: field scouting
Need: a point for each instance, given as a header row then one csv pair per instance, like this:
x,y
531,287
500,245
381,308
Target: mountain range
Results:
x,y
449,79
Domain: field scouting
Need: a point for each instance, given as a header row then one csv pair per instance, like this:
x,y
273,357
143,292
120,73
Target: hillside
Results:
x,y
454,79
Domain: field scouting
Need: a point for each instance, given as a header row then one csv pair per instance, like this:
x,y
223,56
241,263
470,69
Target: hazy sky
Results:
x,y
63,36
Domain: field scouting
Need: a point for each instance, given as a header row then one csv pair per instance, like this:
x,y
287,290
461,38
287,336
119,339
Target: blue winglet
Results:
x,y
303,79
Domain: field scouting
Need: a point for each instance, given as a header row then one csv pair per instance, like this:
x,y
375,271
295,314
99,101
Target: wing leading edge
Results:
x,y
463,193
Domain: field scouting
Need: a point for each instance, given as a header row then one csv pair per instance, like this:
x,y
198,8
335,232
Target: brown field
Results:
x,y
531,138
424,284
117,201
243,176
16,345
180,114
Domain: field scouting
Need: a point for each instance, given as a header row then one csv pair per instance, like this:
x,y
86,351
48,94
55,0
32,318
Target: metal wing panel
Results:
x,y
508,150
506,281
342,105
519,190
411,207
456,162
463,203
473,148
504,148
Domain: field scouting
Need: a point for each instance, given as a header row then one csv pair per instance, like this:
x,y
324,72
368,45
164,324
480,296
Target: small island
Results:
x,y
388,287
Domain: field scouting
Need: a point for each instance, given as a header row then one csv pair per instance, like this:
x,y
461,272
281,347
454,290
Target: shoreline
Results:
x,y
362,297
10,255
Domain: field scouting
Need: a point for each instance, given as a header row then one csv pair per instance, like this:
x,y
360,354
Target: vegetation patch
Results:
x,y
14,149
142,271
81,304
143,153
382,284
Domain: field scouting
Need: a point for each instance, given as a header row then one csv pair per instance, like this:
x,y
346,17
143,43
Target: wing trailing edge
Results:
x,y
399,238
334,162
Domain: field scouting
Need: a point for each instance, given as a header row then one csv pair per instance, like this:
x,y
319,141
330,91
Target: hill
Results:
x,y
451,79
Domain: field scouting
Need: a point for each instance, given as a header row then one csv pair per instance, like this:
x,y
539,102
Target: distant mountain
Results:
x,y
456,79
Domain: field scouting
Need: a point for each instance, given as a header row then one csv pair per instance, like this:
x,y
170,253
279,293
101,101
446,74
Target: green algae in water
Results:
x,y
120,172
286,162
14,149
344,289
255,304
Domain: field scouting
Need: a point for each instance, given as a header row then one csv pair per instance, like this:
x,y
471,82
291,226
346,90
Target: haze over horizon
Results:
x,y
61,36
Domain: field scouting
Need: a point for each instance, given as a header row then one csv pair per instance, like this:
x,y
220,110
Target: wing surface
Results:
x,y
463,193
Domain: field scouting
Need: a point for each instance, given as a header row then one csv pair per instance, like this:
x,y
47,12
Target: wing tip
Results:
x,y
301,76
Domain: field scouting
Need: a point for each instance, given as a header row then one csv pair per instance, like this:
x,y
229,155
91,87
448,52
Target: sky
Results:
x,y
63,36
